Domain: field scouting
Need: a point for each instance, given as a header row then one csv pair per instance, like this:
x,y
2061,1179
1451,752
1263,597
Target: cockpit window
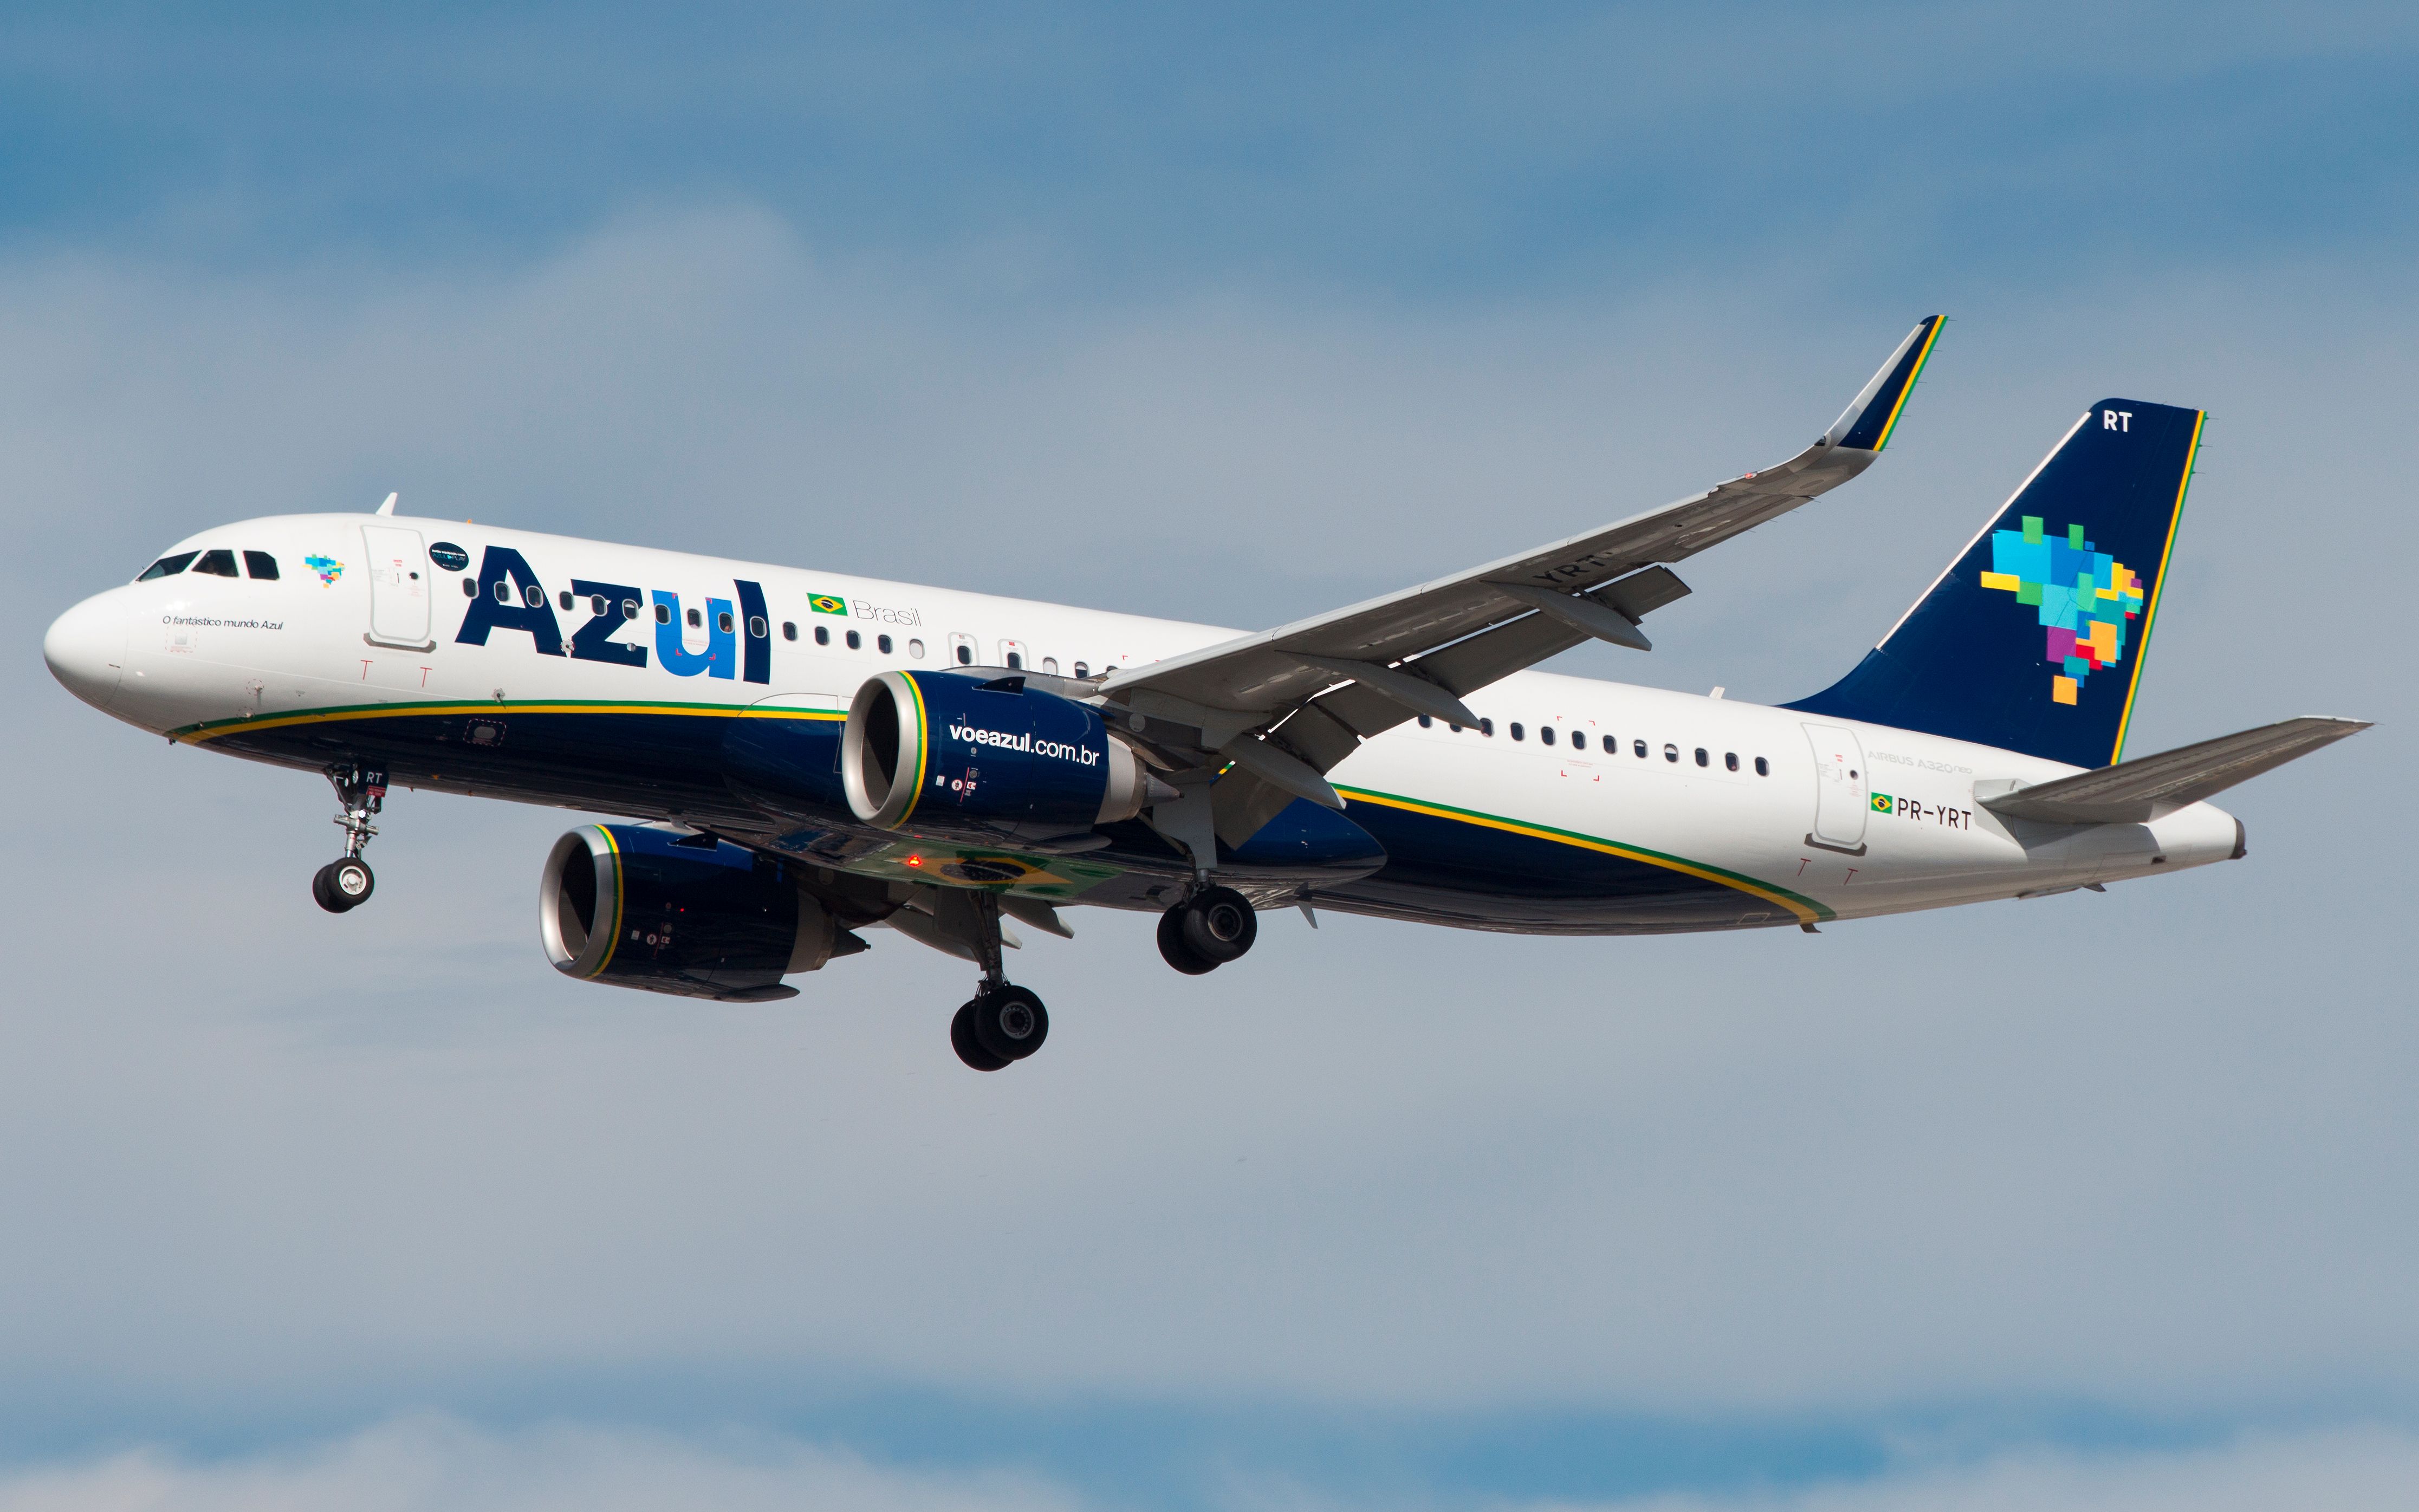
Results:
x,y
261,565
217,564
169,566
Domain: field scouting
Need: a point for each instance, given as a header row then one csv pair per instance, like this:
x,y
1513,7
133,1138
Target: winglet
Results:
x,y
388,508
1867,423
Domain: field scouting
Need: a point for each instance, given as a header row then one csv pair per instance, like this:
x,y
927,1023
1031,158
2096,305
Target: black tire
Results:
x,y
1009,1022
1173,949
1219,925
341,887
962,1039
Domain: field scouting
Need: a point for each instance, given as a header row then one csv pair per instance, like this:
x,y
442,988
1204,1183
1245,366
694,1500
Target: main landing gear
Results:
x,y
1002,1023
1206,931
346,883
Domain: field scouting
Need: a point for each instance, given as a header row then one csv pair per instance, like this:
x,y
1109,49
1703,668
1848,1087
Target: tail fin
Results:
x,y
2033,640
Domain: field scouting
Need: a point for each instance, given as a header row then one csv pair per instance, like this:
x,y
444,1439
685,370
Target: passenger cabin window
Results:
x,y
169,566
470,588
755,626
597,605
1486,727
1701,756
1579,739
856,641
881,644
1518,733
663,614
915,650
1640,746
1015,662
1545,734
1730,761
789,630
503,591
533,596
822,634
261,565
722,622
629,609
1670,753
696,620
1426,723
1763,768
966,655
1082,670
1050,665
562,601
217,564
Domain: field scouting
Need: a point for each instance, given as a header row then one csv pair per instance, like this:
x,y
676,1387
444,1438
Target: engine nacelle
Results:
x,y
960,752
670,913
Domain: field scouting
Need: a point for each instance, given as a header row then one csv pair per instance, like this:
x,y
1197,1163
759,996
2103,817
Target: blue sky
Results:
x,y
1232,315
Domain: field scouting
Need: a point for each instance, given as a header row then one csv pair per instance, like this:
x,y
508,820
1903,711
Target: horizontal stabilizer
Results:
x,y
2140,790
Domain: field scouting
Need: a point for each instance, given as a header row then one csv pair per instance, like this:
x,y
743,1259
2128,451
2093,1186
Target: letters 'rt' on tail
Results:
x,y
2033,640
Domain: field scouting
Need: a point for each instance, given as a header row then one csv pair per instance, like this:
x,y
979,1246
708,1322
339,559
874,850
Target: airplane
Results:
x,y
805,755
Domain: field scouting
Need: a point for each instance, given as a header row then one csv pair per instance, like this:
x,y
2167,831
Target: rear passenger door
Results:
x,y
1840,786
400,598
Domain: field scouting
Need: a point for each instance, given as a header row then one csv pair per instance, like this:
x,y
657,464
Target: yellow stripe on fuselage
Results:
x,y
213,729
1806,909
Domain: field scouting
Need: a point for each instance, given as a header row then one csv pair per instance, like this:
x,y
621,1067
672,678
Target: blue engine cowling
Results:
x,y
966,752
666,912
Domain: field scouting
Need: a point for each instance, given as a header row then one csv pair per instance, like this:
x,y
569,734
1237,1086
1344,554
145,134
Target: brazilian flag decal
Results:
x,y
827,604
1884,803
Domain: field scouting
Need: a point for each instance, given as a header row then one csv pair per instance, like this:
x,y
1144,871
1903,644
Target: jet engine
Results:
x,y
666,912
969,753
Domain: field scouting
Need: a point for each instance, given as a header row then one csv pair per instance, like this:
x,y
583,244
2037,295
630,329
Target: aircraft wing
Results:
x,y
1287,704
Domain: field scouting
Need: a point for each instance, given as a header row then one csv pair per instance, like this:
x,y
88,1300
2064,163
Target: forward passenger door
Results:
x,y
400,598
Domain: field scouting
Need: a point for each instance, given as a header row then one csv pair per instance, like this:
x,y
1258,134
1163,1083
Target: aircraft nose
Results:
x,y
85,649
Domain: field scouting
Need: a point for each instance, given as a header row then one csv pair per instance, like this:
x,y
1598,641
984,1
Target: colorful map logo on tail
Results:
x,y
2083,596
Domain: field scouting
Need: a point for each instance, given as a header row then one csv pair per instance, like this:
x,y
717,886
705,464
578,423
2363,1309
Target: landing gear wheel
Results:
x,y
1173,949
1218,925
1008,1021
342,885
962,1039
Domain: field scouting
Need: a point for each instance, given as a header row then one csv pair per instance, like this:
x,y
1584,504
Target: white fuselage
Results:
x,y
1803,819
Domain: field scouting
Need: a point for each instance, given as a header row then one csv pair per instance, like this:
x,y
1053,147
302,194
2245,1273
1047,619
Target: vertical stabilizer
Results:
x,y
2033,639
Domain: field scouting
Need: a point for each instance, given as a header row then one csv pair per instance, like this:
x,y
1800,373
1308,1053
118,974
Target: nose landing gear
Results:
x,y
1002,1023
346,883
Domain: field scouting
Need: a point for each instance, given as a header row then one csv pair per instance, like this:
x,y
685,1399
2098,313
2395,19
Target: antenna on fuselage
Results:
x,y
388,508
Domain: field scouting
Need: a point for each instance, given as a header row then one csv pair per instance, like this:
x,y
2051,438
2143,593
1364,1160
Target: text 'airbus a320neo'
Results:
x,y
808,754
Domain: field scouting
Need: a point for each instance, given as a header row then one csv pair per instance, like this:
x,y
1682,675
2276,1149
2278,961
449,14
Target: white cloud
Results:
x,y
436,1465
430,1464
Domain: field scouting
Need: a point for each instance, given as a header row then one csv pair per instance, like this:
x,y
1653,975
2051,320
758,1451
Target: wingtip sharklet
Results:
x,y
1866,425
